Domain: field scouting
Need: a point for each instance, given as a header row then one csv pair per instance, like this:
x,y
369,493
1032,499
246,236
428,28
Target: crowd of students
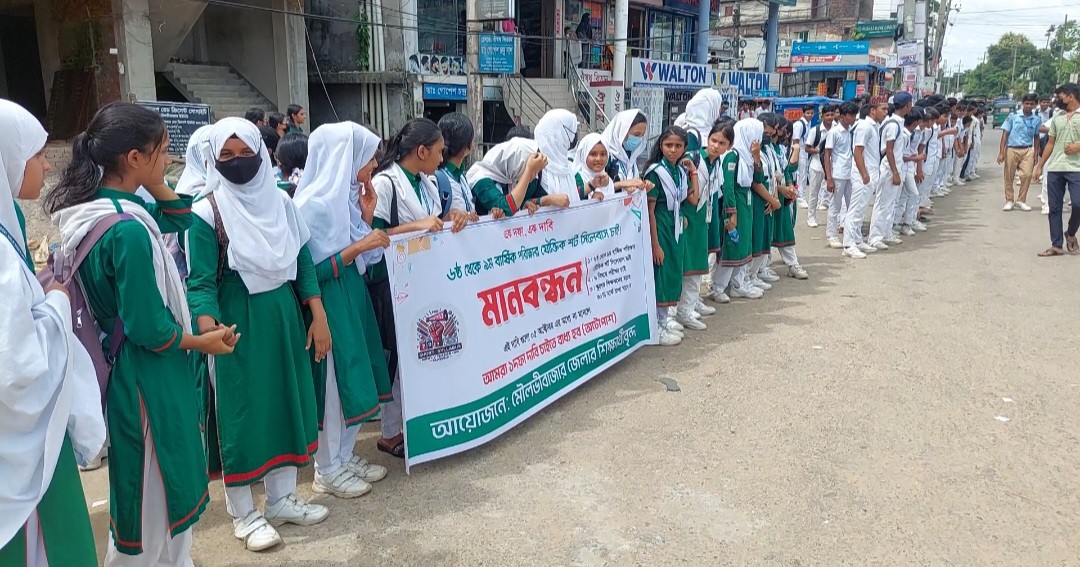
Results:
x,y
247,314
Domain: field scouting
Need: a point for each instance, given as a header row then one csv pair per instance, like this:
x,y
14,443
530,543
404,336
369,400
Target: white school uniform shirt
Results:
x,y
911,148
411,208
799,130
461,190
892,130
839,141
933,143
813,138
867,135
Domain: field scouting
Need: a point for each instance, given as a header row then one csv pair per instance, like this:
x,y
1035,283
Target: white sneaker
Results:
x,y
691,323
822,208
976,176
961,182
767,275
343,484
893,239
812,222
1046,209
97,462
835,242
750,292
1008,206
718,296
704,310
367,471
256,533
880,245
854,253
695,315
797,272
865,248
761,284
667,338
802,203
673,325
907,231
293,510
918,226
1023,206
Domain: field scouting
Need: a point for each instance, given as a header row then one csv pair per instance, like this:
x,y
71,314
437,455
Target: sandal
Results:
x,y
1051,252
395,450
1072,244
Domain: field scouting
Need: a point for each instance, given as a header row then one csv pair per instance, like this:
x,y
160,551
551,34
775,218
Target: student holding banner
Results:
x,y
674,180
352,380
624,138
508,180
556,133
591,159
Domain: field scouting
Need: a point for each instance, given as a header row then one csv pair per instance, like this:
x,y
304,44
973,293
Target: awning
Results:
x,y
838,68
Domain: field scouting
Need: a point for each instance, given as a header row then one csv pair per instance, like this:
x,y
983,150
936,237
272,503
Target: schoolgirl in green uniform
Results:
x,y
743,178
591,160
157,464
674,179
352,380
784,218
508,180
702,111
763,203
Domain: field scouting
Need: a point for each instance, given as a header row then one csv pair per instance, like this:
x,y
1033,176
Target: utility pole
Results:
x,y
939,32
736,21
475,81
1061,59
703,32
622,17
772,35
1013,80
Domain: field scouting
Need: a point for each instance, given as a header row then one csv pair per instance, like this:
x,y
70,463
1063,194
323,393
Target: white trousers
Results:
x,y
691,294
958,167
336,440
721,276
392,424
840,199
930,171
755,266
815,186
801,176
35,543
881,220
788,255
907,204
159,548
861,194
279,483
944,171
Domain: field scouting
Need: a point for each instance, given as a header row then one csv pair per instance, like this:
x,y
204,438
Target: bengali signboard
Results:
x,y
805,55
909,54
500,320
181,120
875,28
497,54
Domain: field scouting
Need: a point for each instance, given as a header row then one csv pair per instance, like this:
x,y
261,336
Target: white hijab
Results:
x,y
23,138
504,164
581,157
264,226
747,131
614,136
328,195
701,112
554,134
196,161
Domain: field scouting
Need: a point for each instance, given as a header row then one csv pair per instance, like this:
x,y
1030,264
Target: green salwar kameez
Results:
x,y
668,275
784,219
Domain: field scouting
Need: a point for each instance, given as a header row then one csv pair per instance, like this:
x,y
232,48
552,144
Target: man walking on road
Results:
x,y
1061,158
1017,151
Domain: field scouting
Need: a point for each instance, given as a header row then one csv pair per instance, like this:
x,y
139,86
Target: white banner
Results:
x,y
650,101
500,320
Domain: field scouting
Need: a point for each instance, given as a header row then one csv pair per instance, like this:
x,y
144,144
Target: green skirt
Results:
x,y
762,230
716,226
264,390
669,275
784,224
359,362
739,253
695,240
64,522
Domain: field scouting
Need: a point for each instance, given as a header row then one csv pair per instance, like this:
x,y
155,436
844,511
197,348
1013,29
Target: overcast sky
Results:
x,y
979,23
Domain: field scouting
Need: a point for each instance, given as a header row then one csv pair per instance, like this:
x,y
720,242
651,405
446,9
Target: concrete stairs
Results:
x,y
227,93
527,100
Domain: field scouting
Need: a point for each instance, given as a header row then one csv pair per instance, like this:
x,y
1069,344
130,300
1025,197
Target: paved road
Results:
x,y
915,408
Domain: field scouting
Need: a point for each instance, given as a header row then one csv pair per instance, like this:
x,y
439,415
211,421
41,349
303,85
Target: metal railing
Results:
x,y
521,98
589,109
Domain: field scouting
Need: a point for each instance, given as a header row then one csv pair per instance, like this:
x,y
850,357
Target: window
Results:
x,y
441,26
802,36
729,11
671,37
817,9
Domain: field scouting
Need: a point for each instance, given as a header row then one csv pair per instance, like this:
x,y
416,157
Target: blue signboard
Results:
x,y
830,48
691,6
749,83
496,54
668,74
440,91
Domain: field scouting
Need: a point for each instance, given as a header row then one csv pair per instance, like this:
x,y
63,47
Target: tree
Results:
x,y
1007,68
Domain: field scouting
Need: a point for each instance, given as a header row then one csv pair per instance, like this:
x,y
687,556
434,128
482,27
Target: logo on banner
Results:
x,y
438,336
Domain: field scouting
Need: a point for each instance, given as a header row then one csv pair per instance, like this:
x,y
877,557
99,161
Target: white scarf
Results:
x,y
675,191
504,164
411,208
48,388
264,227
554,134
747,131
710,182
197,158
615,135
328,195
584,147
702,111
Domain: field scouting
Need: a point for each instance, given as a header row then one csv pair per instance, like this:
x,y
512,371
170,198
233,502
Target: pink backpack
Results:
x,y
84,324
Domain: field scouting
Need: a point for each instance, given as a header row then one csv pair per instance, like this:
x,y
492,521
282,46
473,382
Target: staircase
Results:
x,y
527,100
219,86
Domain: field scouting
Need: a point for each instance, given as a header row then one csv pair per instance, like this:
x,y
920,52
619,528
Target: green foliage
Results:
x,y
363,38
1013,62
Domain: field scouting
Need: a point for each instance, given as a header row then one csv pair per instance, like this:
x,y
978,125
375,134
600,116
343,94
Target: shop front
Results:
x,y
838,69
661,89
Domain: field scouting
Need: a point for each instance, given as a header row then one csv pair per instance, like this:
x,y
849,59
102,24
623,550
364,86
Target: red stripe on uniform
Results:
x,y
513,205
296,459
362,417
168,344
193,511
333,262
176,211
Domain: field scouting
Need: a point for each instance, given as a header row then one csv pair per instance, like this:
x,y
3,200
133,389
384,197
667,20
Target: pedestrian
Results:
x,y
624,138
352,380
961,146
976,144
1061,160
573,50
270,139
556,134
508,180
814,192
674,181
905,214
256,116
764,202
698,232
785,153
865,176
702,111
800,130
295,117
45,519
932,142
519,131
736,252
196,160
457,132
590,160
407,201
837,160
291,157
716,152
251,268
277,121
1017,151
894,138
157,465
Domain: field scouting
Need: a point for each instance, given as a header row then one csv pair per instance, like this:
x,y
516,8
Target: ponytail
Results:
x,y
415,133
79,180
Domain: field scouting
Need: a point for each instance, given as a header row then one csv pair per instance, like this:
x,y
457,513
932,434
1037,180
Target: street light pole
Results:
x,y
475,81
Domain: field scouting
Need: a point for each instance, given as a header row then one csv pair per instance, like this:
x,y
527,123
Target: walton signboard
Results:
x,y
670,74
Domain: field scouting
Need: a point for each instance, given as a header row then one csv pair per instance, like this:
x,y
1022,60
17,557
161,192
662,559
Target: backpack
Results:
x,y
84,323
446,190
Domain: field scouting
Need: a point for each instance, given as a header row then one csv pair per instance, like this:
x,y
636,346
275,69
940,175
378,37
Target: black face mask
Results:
x,y
1061,104
239,170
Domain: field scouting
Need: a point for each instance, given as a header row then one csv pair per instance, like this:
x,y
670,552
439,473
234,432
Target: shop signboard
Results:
x,y
497,54
749,82
874,28
691,6
670,74
808,54
496,9
909,54
181,120
445,91
435,64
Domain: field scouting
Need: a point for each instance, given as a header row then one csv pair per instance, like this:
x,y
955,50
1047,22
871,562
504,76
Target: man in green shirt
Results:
x,y
1061,158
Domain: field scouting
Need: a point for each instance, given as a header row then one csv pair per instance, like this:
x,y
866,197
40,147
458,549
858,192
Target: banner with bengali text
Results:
x,y
502,319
